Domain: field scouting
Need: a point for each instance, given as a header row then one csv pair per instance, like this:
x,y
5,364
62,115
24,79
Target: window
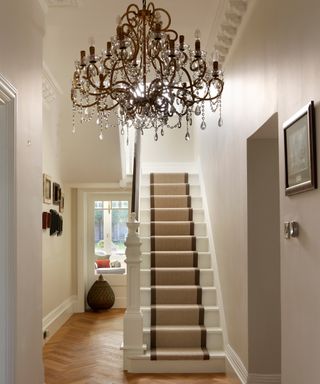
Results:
x,y
110,229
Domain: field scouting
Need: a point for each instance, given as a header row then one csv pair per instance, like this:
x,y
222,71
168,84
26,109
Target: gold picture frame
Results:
x,y
47,189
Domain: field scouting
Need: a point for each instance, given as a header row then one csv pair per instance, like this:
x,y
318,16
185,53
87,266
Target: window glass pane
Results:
x,y
99,231
116,204
98,204
119,229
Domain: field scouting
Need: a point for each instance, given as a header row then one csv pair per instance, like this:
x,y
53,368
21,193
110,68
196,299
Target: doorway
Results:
x,y
264,315
7,233
106,232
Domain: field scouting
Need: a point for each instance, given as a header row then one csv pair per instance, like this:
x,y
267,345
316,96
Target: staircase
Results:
x,y
181,326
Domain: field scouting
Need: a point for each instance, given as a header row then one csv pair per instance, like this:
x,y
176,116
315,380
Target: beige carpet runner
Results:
x,y
177,314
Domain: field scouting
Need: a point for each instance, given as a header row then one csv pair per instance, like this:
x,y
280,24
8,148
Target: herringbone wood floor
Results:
x,y
86,350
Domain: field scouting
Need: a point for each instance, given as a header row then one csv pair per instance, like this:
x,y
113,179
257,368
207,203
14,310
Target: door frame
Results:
x,y
8,260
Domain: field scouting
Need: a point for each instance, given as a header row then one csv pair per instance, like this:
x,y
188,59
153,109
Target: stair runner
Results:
x,y
177,314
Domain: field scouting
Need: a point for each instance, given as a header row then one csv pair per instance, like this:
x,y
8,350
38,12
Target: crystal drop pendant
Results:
x,y
101,136
86,112
187,136
82,120
73,129
162,132
122,131
203,125
98,121
220,122
156,137
197,111
179,125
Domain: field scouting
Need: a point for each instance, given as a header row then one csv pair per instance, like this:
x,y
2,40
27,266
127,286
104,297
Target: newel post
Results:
x,y
133,321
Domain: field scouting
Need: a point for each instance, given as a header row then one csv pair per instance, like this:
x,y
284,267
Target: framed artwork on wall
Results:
x,y
47,189
300,151
61,205
56,192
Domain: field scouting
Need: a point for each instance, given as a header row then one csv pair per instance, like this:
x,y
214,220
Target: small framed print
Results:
x,y
61,205
300,151
56,192
47,189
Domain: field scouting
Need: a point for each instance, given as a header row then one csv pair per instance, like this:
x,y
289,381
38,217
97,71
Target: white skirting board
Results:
x,y
58,316
242,373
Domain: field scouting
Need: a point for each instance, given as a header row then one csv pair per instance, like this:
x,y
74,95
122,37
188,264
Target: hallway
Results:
x,y
86,351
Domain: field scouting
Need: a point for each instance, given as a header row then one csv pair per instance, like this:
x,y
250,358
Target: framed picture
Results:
x,y
300,151
47,189
56,192
61,205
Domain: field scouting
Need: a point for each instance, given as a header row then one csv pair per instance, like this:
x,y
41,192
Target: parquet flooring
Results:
x,y
86,350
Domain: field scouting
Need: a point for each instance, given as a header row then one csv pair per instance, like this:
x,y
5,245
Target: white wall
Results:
x,y
58,259
274,67
21,31
170,148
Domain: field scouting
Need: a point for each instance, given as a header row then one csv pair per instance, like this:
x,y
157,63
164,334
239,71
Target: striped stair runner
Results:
x,y
177,314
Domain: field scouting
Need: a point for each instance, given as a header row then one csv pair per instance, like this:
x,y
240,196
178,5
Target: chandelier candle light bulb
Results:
x,y
148,73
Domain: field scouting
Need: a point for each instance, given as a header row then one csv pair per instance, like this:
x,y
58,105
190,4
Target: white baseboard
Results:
x,y
242,373
55,319
255,378
236,364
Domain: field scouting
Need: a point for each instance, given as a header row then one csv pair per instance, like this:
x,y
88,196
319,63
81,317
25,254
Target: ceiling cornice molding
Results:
x,y
62,3
229,21
50,87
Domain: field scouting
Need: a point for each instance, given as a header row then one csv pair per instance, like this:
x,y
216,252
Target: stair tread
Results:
x,y
175,328
182,306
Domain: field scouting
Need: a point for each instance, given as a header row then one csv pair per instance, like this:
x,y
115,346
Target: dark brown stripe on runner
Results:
x,y
151,189
153,337
195,259
152,210
206,355
203,337
197,276
190,214
153,354
187,189
153,295
199,295
152,201
153,228
151,178
153,314
153,276
153,243
201,315
186,178
192,228
194,243
153,259
189,201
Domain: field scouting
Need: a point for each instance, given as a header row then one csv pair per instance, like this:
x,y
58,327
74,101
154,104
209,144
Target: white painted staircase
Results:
x,y
215,344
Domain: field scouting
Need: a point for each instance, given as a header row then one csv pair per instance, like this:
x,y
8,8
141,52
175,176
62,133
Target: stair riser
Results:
x,y
208,297
194,191
206,278
200,229
214,340
211,318
198,215
192,179
196,202
204,260
202,244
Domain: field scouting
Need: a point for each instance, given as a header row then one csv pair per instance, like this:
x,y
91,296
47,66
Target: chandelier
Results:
x,y
146,76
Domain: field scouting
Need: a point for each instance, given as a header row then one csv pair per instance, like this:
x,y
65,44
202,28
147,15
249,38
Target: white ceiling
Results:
x,y
70,24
